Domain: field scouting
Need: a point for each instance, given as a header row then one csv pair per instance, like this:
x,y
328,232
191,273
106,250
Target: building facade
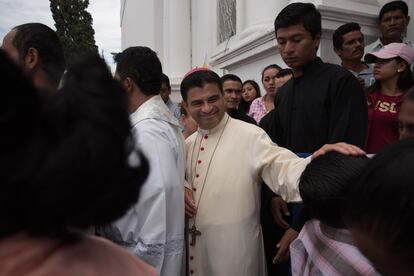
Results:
x,y
232,36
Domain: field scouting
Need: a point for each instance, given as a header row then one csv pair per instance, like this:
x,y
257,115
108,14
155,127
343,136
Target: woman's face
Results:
x,y
248,93
385,69
269,84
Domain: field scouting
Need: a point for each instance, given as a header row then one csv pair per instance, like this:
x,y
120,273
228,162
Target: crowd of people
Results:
x,y
107,175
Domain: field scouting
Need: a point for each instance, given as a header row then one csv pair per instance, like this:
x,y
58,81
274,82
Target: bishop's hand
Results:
x,y
344,148
190,207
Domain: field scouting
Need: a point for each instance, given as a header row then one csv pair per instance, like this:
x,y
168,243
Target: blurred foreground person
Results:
x,y
71,166
381,213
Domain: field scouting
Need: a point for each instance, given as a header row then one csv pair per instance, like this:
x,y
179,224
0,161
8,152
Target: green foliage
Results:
x,y
74,26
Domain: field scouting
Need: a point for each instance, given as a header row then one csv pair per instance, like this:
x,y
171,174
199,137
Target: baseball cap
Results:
x,y
392,50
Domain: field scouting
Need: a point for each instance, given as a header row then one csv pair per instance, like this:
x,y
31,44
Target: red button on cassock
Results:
x,y
202,148
194,189
199,161
191,271
191,258
206,137
197,175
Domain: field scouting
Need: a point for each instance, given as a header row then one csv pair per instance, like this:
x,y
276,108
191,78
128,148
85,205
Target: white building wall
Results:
x,y
184,33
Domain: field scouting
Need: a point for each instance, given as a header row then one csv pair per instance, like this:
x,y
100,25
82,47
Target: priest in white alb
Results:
x,y
153,228
227,160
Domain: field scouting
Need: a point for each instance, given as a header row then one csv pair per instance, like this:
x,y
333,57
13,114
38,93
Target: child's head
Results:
x,y
325,182
380,213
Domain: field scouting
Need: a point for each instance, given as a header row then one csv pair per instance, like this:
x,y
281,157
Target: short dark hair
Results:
x,y
382,205
46,42
324,184
141,65
75,171
165,79
337,37
284,72
300,13
199,79
230,77
274,66
183,111
392,6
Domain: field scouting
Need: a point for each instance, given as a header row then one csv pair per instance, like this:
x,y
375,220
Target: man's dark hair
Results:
x,y
46,42
324,184
284,72
337,37
392,6
274,66
142,66
74,170
230,77
165,79
382,205
300,13
199,79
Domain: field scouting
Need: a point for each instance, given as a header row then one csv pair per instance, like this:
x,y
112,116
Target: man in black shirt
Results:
x,y
323,103
232,89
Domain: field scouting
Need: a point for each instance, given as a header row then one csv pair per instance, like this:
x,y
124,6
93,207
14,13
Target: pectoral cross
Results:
x,y
194,232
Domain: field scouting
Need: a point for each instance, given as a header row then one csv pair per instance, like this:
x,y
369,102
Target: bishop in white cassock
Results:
x,y
227,160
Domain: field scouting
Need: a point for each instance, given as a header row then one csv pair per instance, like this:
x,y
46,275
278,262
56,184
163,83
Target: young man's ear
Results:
x,y
128,84
31,59
317,40
338,51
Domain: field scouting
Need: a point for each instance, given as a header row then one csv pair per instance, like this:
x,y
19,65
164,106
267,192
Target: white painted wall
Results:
x,y
184,33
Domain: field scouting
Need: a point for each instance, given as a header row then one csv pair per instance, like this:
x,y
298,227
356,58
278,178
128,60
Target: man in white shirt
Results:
x,y
153,229
393,22
348,42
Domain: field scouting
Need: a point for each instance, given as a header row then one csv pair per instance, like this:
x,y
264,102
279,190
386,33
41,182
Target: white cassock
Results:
x,y
226,174
154,228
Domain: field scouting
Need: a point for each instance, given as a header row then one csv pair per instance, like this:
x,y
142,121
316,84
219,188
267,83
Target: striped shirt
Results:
x,y
258,109
323,250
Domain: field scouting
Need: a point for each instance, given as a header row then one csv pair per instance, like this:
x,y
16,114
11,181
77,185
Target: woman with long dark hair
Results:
x,y
250,92
393,78
261,106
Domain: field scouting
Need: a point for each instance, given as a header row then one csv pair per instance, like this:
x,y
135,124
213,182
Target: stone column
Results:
x,y
177,40
253,16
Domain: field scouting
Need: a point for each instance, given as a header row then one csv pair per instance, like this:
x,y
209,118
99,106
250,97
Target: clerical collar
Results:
x,y
216,128
312,65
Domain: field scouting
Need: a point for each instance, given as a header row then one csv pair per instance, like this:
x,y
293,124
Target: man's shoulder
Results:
x,y
336,69
237,114
155,129
244,128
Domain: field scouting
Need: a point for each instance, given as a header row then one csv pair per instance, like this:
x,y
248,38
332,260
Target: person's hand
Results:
x,y
190,207
279,208
341,147
283,253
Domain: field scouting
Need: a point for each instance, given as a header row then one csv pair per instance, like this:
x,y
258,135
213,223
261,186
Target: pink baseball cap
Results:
x,y
392,50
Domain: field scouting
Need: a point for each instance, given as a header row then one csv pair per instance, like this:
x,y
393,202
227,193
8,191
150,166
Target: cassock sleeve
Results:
x,y
348,113
144,229
278,167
